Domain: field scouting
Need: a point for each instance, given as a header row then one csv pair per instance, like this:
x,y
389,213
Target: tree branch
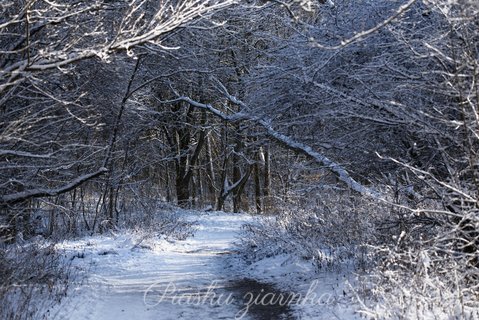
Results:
x,y
341,173
361,35
40,192
24,154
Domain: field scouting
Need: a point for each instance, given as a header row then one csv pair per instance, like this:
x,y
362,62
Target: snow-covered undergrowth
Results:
x,y
33,279
313,251
36,274
422,278
418,285
331,235
376,263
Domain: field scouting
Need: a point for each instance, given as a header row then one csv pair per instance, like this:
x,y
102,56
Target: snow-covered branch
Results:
x,y
341,173
62,48
364,34
24,154
238,116
40,192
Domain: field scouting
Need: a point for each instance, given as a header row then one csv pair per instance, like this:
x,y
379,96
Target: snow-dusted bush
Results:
x,y
418,285
410,264
431,278
332,230
168,222
33,278
434,274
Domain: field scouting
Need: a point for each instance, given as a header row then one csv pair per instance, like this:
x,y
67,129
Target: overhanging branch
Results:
x,y
341,173
10,199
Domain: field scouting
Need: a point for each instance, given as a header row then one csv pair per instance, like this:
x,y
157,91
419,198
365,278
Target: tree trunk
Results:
x,y
185,162
222,196
182,192
210,172
267,180
257,186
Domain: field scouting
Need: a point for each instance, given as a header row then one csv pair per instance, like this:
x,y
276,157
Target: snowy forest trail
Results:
x,y
155,284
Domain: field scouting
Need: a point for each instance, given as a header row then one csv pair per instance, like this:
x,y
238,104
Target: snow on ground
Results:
x,y
320,294
193,278
128,284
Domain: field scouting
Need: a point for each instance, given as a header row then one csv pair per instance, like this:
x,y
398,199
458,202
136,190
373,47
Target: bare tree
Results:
x,y
53,134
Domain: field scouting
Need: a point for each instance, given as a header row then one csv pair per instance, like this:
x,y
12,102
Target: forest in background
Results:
x,y
354,122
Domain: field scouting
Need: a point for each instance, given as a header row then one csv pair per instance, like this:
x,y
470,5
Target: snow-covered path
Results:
x,y
140,284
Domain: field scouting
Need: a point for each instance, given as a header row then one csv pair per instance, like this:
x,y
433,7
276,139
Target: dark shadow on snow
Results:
x,y
261,301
